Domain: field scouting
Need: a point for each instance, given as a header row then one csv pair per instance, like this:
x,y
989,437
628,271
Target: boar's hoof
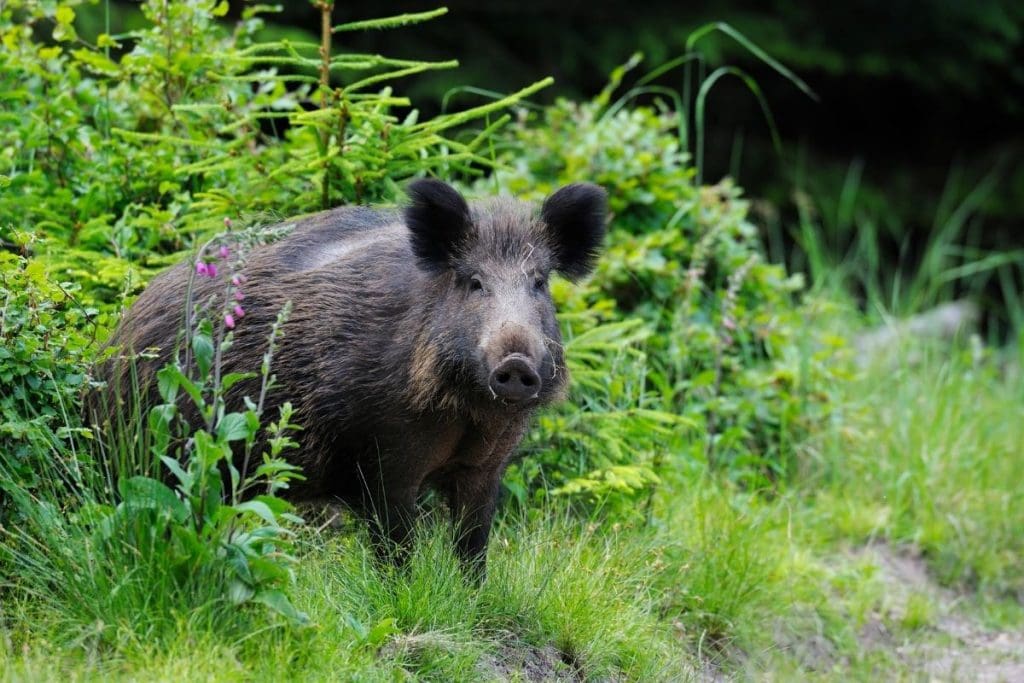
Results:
x,y
515,379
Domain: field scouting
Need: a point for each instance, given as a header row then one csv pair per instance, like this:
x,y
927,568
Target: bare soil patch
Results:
x,y
954,646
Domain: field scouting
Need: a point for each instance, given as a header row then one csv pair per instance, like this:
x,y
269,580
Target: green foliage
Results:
x,y
687,346
691,503
117,154
44,342
222,530
931,457
847,226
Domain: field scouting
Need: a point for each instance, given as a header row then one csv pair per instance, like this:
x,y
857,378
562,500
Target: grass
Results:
x,y
549,594
925,462
936,462
852,240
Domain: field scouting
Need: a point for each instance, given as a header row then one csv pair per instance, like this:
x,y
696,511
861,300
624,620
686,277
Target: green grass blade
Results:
x,y
728,30
702,94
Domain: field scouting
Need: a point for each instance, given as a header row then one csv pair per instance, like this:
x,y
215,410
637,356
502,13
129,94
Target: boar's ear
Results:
x,y
438,221
575,218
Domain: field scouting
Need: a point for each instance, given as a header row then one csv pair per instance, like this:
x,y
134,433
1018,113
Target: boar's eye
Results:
x,y
540,282
476,284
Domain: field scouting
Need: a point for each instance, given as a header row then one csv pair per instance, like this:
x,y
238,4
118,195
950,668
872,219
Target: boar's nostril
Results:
x,y
515,379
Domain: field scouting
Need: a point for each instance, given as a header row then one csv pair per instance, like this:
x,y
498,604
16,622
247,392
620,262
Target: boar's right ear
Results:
x,y
575,217
438,220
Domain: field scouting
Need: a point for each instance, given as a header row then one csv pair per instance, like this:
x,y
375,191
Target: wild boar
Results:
x,y
419,344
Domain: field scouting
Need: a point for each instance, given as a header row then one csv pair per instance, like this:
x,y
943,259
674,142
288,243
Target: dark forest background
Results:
x,y
918,120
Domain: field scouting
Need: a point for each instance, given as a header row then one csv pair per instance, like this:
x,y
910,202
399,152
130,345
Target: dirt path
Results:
x,y
953,645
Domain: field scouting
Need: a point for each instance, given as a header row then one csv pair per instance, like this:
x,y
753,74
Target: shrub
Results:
x,y
115,156
44,338
708,358
110,524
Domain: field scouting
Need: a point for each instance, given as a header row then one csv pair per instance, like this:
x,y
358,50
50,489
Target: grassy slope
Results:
x,y
928,462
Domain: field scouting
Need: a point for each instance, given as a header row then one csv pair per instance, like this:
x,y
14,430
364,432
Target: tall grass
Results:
x,y
933,458
856,245
926,456
567,601
69,564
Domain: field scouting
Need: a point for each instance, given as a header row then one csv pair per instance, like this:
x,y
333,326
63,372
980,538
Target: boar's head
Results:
x,y
492,330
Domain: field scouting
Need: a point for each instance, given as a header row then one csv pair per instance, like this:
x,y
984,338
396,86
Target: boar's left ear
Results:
x,y
438,220
575,217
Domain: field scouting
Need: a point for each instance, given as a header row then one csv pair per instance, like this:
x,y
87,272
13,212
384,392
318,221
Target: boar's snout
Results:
x,y
515,379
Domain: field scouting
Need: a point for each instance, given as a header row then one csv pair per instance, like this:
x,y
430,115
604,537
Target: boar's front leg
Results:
x,y
474,486
473,497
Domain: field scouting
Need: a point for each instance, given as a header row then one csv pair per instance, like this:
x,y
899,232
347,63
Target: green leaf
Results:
x,y
220,9
202,348
147,493
266,570
239,591
64,32
160,419
229,380
279,602
96,62
277,505
258,508
64,15
167,383
381,631
184,478
174,377
208,451
232,427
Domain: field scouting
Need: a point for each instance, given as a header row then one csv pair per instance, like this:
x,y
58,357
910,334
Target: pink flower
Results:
x,y
224,251
211,269
227,222
239,295
729,323
239,311
201,268
229,321
238,280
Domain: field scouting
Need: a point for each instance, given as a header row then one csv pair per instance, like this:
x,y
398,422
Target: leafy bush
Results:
x,y
44,340
121,153
708,354
222,525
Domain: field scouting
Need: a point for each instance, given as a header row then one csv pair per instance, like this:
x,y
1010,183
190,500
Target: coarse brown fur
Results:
x,y
418,345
